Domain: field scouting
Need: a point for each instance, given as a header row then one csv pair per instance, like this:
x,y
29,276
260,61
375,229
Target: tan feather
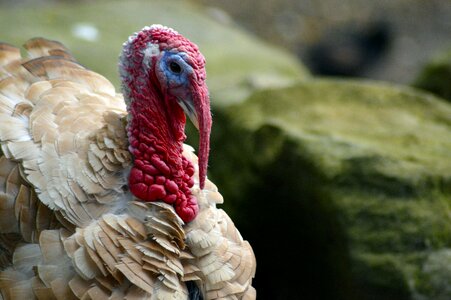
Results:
x,y
8,54
8,221
41,291
84,265
95,293
130,247
21,290
64,164
54,67
135,293
36,90
25,257
109,283
46,66
108,259
22,109
79,286
45,218
8,243
13,88
61,290
104,242
38,47
136,280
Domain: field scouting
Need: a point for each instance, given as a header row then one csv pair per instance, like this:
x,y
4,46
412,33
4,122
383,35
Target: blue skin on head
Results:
x,y
175,71
174,74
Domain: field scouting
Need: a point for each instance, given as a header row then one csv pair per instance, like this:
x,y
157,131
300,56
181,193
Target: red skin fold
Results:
x,y
157,123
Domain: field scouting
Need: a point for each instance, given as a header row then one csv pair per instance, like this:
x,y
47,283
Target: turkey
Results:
x,y
99,197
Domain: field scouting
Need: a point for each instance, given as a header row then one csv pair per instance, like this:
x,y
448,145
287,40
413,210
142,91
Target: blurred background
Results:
x,y
331,140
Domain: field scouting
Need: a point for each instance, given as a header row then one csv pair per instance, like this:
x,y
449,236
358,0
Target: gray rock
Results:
x,y
436,76
342,187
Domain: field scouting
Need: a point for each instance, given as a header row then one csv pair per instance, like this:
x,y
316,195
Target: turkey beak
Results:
x,y
190,111
197,108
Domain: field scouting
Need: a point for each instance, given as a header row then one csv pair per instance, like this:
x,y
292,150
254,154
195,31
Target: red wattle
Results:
x,y
187,210
156,131
154,177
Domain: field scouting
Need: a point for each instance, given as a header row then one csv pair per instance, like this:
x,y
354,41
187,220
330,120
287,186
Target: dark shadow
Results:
x,y
349,50
275,198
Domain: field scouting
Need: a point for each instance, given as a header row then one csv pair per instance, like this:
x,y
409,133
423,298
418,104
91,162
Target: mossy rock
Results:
x,y
342,187
436,76
237,63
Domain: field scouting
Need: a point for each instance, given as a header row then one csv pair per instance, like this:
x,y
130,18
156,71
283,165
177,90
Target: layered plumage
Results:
x,y
69,226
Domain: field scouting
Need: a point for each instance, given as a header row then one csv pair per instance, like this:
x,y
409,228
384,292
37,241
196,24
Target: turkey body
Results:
x,y
69,226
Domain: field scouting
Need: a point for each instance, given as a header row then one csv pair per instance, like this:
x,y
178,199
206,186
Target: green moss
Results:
x,y
361,120
436,76
289,220
386,279
435,276
358,173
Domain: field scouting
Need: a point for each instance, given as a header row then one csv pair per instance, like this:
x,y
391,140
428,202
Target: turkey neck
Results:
x,y
155,129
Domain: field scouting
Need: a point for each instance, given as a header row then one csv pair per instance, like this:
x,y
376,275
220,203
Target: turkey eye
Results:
x,y
175,67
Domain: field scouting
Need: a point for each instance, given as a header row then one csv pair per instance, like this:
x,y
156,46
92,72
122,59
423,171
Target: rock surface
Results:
x,y
416,30
357,173
436,76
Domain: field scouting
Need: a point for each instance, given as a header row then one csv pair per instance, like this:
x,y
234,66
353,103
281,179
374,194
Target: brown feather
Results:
x,y
49,67
37,47
64,164
41,291
8,53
